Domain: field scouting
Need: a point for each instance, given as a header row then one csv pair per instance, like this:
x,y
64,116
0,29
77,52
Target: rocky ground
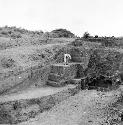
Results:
x,y
88,107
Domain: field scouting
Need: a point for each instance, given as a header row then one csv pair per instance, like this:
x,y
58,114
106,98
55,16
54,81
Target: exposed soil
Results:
x,y
88,107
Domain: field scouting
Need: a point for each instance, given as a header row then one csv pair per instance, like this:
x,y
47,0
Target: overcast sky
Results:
x,y
101,17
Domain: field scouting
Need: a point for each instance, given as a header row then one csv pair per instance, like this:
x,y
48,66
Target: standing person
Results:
x,y
66,58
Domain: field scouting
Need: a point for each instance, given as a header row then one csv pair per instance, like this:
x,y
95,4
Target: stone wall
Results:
x,y
78,54
81,55
61,74
33,76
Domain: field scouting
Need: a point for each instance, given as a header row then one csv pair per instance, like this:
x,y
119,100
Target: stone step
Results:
x,y
22,106
78,58
61,69
56,84
58,78
55,77
57,69
75,81
71,70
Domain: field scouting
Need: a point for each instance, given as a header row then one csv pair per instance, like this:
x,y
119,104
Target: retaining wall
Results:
x,y
33,76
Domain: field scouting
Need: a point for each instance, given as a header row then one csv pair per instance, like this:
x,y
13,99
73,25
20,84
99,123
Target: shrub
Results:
x,y
7,62
86,35
62,33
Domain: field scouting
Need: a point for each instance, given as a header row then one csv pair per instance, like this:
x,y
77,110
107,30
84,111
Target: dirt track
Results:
x,y
33,92
88,107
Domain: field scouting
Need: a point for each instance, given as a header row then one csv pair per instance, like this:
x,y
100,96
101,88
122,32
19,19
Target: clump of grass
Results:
x,y
7,62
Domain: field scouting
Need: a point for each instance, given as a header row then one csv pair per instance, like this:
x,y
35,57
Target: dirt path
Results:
x,y
33,92
88,107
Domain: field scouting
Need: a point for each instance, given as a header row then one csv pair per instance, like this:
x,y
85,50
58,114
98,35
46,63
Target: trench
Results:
x,y
100,83
106,84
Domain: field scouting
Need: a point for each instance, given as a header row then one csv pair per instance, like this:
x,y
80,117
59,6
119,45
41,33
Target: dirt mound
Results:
x,y
104,61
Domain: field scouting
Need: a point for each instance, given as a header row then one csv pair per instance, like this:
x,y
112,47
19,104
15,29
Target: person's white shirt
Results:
x,y
66,57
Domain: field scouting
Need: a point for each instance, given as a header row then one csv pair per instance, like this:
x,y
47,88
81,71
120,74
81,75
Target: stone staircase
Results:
x,y
61,74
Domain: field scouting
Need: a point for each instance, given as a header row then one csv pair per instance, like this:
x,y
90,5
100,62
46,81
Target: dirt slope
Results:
x,y
88,107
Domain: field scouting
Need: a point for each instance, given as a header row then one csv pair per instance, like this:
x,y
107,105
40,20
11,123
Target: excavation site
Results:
x,y
60,79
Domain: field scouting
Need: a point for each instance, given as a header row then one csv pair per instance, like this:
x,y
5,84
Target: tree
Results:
x,y
96,36
86,35
62,33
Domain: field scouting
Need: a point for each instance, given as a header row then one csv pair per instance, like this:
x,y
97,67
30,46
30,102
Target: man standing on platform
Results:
x,y
66,58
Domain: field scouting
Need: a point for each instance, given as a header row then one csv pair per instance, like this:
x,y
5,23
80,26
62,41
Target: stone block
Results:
x,y
57,69
56,84
75,81
69,72
55,77
64,71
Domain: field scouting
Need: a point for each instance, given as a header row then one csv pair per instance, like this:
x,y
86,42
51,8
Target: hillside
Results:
x,y
32,62
12,37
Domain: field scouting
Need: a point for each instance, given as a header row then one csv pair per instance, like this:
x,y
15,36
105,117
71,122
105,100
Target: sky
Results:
x,y
98,17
